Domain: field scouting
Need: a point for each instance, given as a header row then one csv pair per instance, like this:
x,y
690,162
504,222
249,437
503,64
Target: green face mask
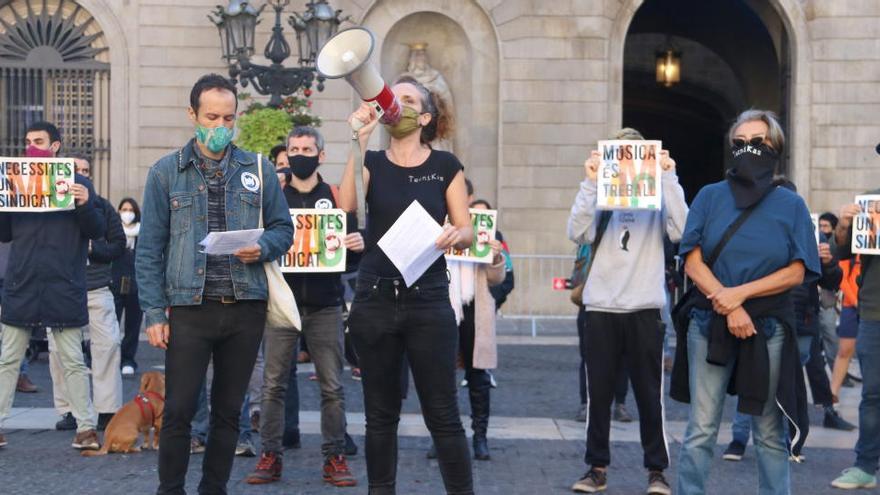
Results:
x,y
408,123
216,138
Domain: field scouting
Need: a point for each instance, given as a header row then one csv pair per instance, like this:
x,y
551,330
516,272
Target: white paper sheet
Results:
x,y
409,243
230,242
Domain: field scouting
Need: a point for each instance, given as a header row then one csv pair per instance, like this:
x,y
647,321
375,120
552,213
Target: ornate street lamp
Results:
x,y
668,65
237,24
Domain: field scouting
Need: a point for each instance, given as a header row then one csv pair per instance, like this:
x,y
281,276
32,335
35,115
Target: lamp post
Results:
x,y
237,24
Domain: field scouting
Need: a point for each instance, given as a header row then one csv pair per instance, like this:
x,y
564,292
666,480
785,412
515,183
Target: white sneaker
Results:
x,y
127,370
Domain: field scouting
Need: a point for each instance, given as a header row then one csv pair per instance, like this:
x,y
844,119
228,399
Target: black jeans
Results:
x,y
387,320
132,326
231,335
816,375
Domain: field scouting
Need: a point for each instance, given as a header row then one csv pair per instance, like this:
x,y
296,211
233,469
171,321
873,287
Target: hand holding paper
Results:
x,y
229,242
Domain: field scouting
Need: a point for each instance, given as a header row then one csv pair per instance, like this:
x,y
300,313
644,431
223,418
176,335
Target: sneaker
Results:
x,y
853,478
848,382
594,481
255,421
582,414
621,415
25,385
3,441
797,458
351,448
268,470
657,484
128,370
835,422
196,446
87,440
336,471
104,420
313,377
291,440
356,374
245,449
67,423
735,452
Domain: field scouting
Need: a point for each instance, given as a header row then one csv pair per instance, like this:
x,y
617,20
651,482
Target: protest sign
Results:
x,y
318,236
485,223
36,184
866,225
629,175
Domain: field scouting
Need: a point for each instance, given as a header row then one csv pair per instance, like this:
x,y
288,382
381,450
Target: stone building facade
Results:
x,y
536,84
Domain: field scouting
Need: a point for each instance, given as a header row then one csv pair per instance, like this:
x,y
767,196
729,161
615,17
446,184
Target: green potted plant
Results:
x,y
262,127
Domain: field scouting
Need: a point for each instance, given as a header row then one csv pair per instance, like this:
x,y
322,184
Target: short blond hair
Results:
x,y
628,133
774,130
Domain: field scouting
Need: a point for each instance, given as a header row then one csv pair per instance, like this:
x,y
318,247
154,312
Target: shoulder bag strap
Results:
x,y
262,185
728,234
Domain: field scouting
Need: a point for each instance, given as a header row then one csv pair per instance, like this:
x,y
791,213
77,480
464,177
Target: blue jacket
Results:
x,y
107,249
169,262
45,283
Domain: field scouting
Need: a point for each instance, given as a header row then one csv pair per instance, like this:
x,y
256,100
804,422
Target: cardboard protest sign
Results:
x,y
629,175
317,241
866,225
815,218
485,223
36,184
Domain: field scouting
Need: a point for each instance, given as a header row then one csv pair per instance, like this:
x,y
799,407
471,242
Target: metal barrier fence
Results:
x,y
533,297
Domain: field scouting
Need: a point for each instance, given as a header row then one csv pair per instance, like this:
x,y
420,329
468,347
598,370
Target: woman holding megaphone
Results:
x,y
388,318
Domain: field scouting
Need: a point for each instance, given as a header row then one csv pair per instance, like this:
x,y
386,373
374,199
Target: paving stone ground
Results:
x,y
534,381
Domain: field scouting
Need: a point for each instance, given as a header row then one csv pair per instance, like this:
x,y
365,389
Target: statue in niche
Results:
x,y
419,69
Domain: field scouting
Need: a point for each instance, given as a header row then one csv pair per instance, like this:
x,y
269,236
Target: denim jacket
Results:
x,y
169,263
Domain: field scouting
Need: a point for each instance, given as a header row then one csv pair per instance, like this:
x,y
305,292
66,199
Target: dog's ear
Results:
x,y
146,382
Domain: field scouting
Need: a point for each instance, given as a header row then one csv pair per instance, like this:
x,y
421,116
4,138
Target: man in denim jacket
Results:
x,y
202,307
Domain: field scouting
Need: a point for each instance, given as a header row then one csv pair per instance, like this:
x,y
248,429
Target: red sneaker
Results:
x,y
336,471
268,470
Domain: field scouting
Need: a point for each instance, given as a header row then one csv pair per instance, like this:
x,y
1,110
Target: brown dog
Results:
x,y
136,417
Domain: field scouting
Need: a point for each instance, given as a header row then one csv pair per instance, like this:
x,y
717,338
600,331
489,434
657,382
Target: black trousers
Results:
x,y
622,376
636,339
816,375
387,320
230,334
131,325
477,379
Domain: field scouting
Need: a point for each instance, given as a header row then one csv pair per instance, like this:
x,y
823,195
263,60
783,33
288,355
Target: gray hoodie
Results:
x,y
628,273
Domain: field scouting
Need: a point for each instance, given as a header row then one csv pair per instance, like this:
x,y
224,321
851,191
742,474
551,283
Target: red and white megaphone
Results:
x,y
348,55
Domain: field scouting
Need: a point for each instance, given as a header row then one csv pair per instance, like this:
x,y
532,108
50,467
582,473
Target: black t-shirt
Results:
x,y
392,189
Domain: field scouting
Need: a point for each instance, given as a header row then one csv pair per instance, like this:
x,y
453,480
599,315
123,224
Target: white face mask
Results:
x,y
127,217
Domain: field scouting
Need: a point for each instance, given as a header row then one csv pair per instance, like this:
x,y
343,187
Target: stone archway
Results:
x,y
469,27
798,107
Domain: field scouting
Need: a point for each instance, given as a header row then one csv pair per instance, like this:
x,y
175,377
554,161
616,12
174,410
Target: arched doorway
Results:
x,y
54,66
736,54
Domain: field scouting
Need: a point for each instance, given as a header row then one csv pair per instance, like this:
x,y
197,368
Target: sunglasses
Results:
x,y
754,142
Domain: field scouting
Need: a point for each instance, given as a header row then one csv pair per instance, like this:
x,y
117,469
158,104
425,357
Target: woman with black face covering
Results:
x,y
388,317
742,323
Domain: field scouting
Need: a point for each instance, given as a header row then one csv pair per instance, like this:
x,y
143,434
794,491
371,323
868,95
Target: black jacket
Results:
x,y
319,289
751,375
806,296
107,249
45,283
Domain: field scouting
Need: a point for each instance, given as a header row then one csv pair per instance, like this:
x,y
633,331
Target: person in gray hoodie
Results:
x,y
624,291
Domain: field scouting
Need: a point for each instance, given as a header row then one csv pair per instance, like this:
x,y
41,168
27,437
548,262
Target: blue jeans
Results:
x,y
741,427
868,350
708,386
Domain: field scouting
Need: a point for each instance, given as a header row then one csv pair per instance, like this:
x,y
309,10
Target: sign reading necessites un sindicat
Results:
x,y
485,223
866,225
629,175
36,184
318,245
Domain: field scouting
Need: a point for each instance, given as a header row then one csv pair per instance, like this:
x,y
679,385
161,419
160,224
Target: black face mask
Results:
x,y
751,176
303,166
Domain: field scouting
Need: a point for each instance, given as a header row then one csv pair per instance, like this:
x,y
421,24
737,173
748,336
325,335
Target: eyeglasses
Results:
x,y
755,141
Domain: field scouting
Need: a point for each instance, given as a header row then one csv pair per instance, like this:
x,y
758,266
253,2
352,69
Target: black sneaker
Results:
x,y
835,422
735,451
351,448
594,481
104,420
67,423
657,484
291,440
